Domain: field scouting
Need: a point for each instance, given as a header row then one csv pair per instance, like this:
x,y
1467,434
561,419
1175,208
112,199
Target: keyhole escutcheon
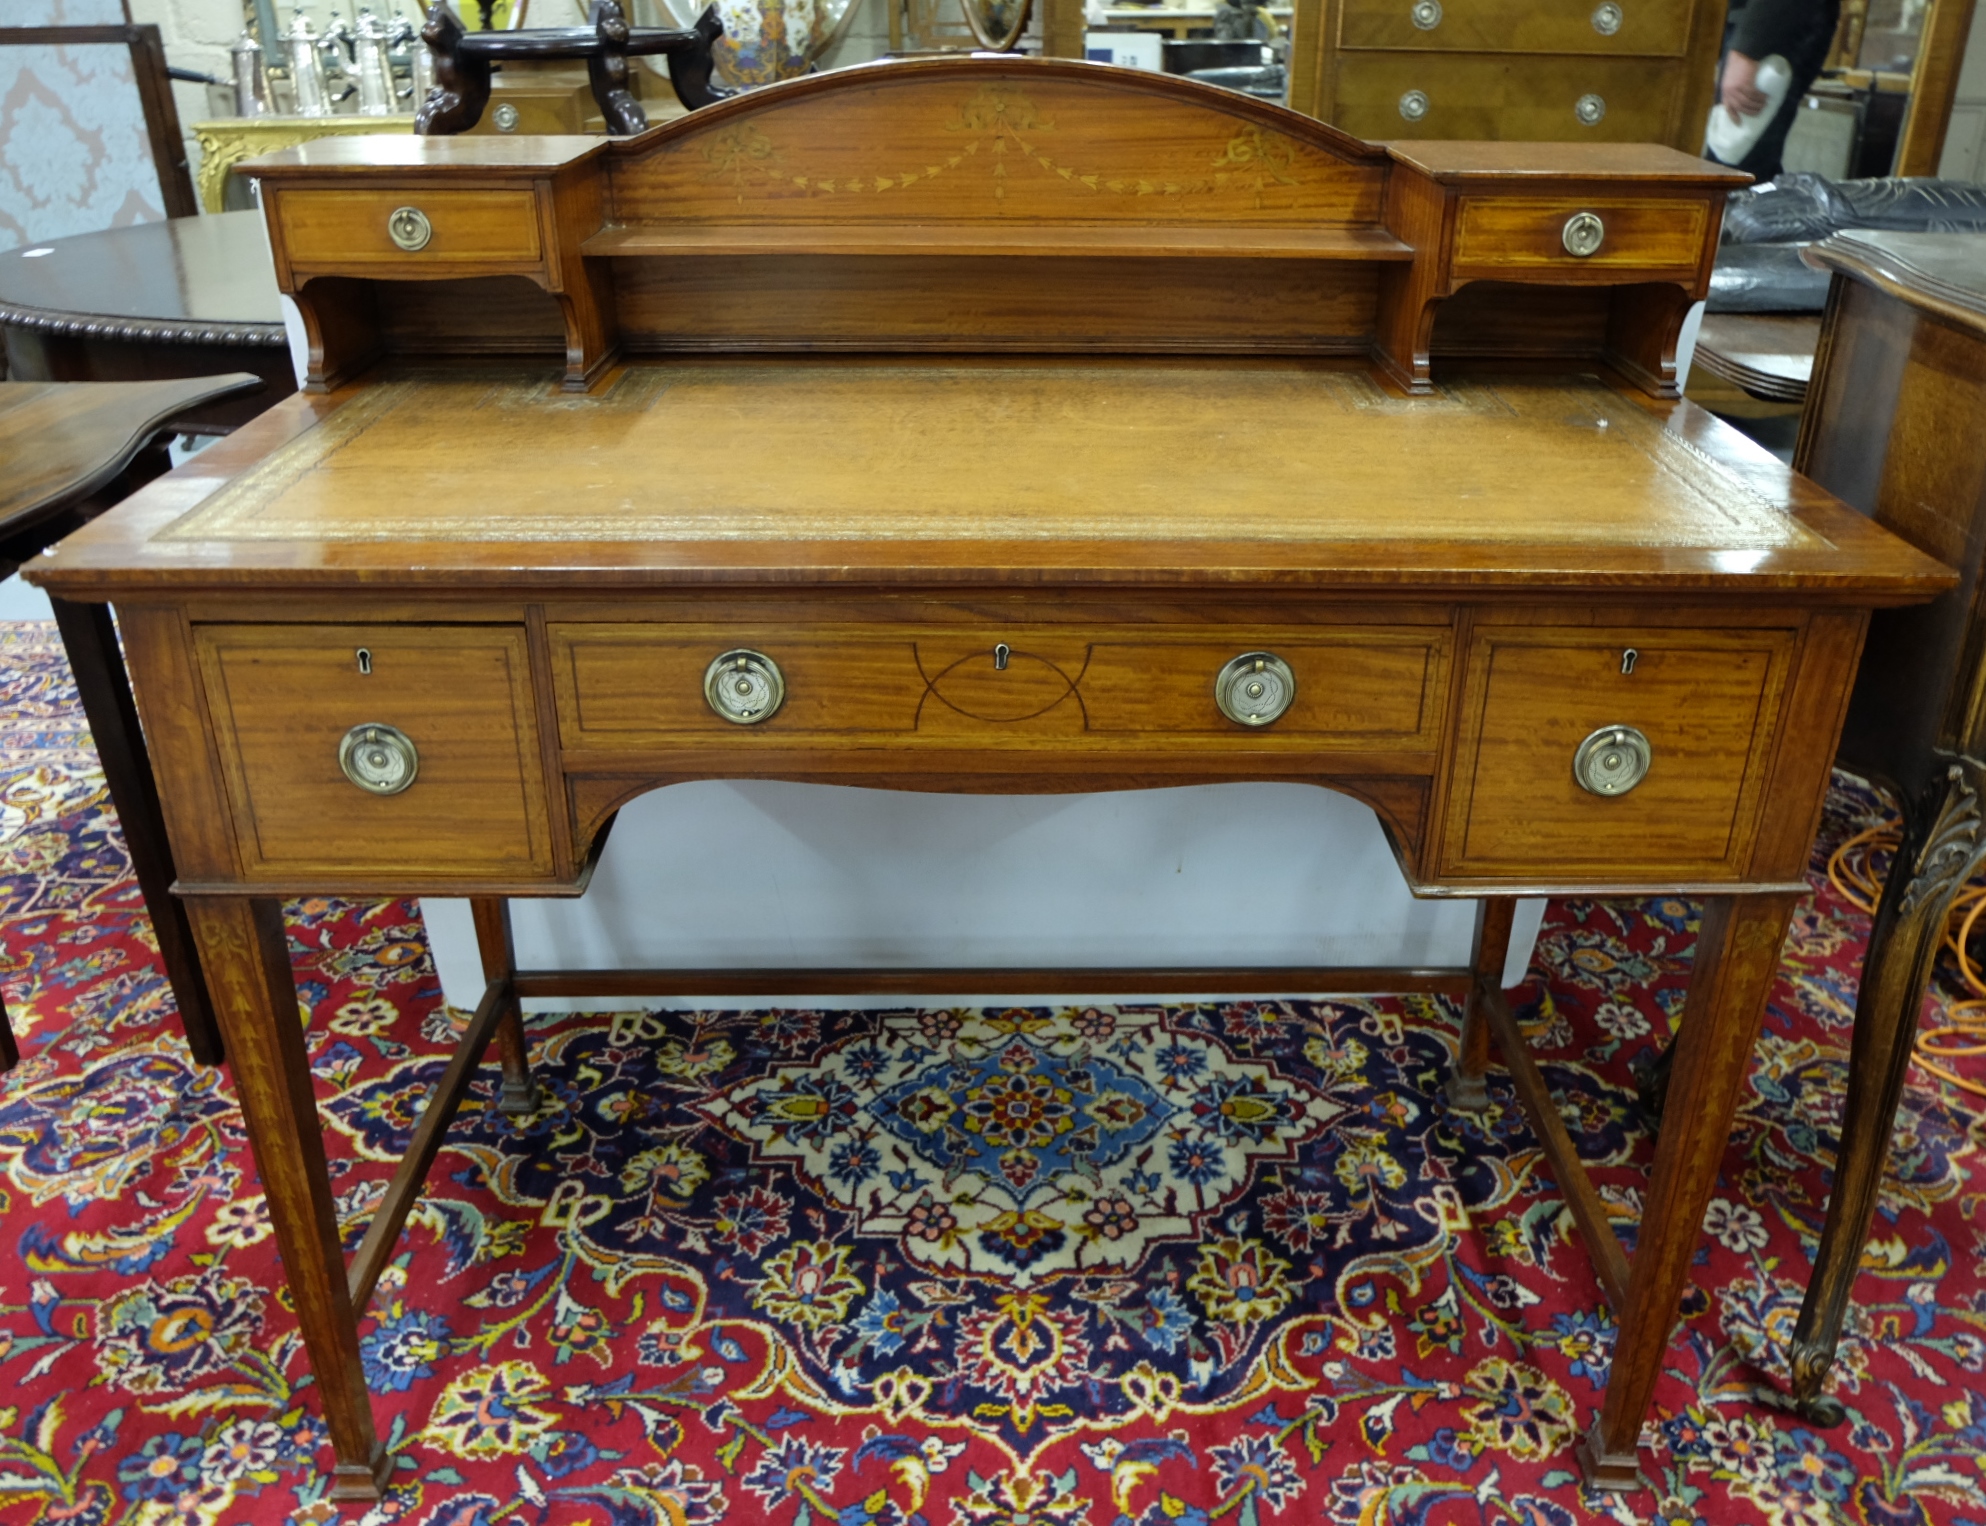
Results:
x,y
1001,652
1627,660
365,661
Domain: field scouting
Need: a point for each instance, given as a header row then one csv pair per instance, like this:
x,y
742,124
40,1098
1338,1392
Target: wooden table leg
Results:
x,y
10,1052
1465,1090
519,1096
105,689
1737,957
248,970
1943,842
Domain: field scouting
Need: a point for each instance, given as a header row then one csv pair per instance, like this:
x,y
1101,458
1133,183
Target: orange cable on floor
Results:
x,y
1963,1034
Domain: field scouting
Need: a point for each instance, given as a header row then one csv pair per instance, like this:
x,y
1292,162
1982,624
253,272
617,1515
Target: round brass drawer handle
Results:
x,y
1583,234
1607,18
1612,760
1589,109
379,759
743,686
1426,14
1255,688
409,228
1413,105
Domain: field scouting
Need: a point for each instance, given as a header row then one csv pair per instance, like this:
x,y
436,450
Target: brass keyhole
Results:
x,y
365,661
1001,652
1627,660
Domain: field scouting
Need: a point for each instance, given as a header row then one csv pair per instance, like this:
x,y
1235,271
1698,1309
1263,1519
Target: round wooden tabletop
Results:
x,y
191,296
187,280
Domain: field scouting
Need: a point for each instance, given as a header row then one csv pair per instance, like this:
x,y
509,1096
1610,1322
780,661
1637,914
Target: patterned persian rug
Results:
x,y
1078,1266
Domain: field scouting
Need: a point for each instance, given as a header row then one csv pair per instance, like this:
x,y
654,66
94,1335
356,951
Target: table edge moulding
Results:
x,y
817,437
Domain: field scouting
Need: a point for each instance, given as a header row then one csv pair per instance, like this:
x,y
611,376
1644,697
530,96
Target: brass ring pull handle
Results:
x,y
409,228
1583,234
1612,760
1255,688
1590,109
379,759
1607,18
1426,14
743,686
1413,105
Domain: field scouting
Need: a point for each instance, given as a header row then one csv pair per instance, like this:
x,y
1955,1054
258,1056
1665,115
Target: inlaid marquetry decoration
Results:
x,y
966,152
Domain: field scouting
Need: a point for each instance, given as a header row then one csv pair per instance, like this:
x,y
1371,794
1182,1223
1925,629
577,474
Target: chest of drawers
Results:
x,y
1600,71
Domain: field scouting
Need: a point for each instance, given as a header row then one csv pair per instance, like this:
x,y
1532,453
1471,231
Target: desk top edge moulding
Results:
x,y
834,433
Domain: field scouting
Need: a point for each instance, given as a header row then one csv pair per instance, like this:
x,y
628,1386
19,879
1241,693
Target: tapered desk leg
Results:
x,y
519,1096
1465,1090
248,970
91,641
10,1052
1943,842
1737,956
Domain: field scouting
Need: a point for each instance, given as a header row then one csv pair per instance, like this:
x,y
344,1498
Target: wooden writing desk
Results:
x,y
901,501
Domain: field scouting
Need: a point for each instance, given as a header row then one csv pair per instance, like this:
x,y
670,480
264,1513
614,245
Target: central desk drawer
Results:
x,y
1704,703
285,697
626,687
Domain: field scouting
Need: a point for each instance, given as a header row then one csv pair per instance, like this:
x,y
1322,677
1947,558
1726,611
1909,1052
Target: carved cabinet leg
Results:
x,y
248,974
1944,841
519,1097
1737,956
1465,1091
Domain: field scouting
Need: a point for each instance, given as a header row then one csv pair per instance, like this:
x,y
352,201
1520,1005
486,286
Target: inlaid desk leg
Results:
x,y
1944,841
1737,956
1465,1090
519,1096
248,970
105,690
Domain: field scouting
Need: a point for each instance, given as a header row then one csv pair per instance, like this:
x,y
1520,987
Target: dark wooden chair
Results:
x,y
69,451
463,61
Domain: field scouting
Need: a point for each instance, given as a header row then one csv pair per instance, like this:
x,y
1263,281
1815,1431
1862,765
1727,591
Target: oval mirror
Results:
x,y
997,24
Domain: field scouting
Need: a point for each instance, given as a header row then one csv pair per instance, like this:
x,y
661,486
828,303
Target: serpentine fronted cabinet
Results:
x,y
423,629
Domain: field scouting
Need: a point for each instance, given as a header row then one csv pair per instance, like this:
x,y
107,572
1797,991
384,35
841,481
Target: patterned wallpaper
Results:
x,y
74,155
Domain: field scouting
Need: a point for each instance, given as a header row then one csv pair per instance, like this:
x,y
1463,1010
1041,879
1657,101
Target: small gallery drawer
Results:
x,y
1511,236
1518,26
624,687
1707,704
283,699
357,228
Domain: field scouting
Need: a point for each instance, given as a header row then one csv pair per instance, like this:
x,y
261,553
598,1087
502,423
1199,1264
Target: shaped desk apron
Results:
x,y
1632,684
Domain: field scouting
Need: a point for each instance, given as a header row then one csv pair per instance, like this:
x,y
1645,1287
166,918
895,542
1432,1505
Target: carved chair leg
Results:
x,y
1465,1090
519,1095
1737,956
607,71
690,68
248,971
1944,842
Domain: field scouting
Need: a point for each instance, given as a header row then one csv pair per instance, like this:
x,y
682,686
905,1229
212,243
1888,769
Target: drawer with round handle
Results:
x,y
419,229
1561,238
1619,27
633,687
1585,752
378,749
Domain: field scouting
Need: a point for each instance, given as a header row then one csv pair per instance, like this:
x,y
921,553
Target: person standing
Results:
x,y
1799,31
